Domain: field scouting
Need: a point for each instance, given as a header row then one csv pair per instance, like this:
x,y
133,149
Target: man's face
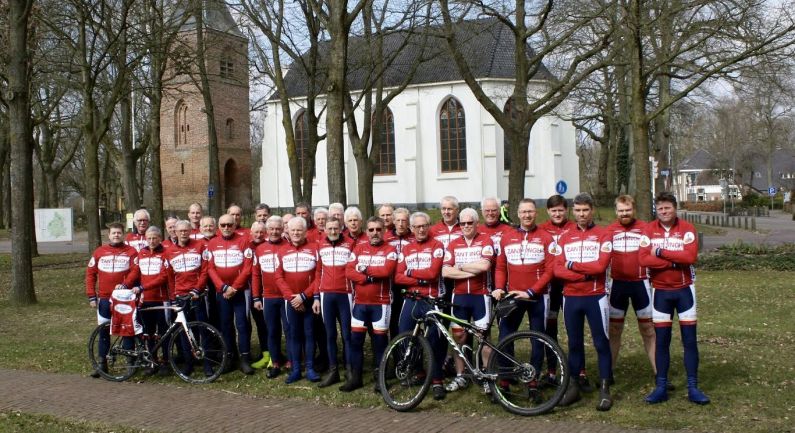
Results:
x,y
257,233
227,225
275,231
302,212
491,212
141,222
320,221
385,213
420,228
170,224
625,213
207,228
261,215
401,221
666,212
333,230
557,214
236,213
183,234
354,224
115,235
297,233
449,212
375,233
469,226
338,214
153,239
583,214
527,214
194,214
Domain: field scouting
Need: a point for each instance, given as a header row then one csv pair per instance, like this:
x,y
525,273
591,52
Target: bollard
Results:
x,y
746,222
753,223
700,242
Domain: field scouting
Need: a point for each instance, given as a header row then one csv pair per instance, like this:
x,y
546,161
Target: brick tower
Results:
x,y
183,122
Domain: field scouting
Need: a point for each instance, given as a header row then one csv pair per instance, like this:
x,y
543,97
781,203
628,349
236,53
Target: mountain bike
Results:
x,y
513,371
196,351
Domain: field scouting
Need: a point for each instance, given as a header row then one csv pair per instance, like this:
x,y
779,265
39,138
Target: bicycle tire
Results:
x,y
520,387
116,367
209,352
404,374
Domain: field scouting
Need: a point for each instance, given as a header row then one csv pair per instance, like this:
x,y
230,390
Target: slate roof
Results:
x,y
698,160
487,44
216,17
783,165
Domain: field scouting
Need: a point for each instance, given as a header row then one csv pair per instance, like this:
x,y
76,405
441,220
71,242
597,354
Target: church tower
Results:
x,y
184,150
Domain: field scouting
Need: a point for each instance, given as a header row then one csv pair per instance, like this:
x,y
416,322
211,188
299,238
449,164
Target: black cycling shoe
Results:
x,y
584,385
438,392
273,372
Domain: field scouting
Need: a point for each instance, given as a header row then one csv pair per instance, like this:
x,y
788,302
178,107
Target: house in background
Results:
x,y
699,179
437,140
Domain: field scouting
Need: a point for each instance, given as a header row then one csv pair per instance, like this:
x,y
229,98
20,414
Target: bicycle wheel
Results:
x,y
198,356
405,371
516,363
119,363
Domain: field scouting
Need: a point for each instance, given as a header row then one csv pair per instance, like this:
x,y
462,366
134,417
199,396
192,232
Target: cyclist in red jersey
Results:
x,y
399,237
137,238
195,216
353,226
155,292
669,249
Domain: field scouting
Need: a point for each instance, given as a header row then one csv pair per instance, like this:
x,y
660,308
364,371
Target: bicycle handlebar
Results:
x,y
417,296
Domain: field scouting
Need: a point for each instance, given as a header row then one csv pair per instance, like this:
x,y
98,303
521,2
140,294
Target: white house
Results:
x,y
438,139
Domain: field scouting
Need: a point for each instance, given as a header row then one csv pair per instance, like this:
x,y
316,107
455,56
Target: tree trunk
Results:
x,y
154,137
4,156
129,171
640,124
215,205
23,292
662,134
335,99
364,171
518,142
9,212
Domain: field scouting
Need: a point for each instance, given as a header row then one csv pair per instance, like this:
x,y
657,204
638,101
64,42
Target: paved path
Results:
x,y
151,407
777,229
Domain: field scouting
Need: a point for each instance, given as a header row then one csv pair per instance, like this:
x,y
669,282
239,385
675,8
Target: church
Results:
x,y
437,140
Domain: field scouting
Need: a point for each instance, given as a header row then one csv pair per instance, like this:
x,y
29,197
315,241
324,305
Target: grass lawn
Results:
x,y
746,339
24,422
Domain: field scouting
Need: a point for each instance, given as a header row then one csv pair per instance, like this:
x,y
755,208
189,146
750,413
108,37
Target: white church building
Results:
x,y
437,139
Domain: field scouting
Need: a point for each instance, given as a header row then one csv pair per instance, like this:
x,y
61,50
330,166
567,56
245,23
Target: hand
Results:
x,y
120,287
497,293
136,290
361,267
258,305
92,303
316,307
522,294
229,292
297,303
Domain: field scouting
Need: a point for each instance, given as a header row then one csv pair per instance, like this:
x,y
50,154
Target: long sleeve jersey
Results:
x,y
330,274
398,241
195,233
669,254
230,261
495,232
108,266
526,260
420,266
444,233
296,270
187,268
582,260
462,251
557,230
370,269
361,238
624,264
154,274
263,274
136,240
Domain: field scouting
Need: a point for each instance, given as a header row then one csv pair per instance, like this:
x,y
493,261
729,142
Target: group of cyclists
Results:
x,y
310,275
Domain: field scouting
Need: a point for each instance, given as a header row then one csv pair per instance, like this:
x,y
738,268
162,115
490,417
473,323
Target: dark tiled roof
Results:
x,y
488,46
216,17
783,164
698,160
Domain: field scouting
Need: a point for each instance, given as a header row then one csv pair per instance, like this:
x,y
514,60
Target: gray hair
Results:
x,y
141,211
469,212
352,211
336,207
319,210
258,224
171,218
488,199
274,219
383,205
208,217
154,230
181,223
416,215
297,220
401,210
449,198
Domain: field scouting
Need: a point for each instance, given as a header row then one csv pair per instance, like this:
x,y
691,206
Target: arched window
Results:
x,y
230,129
452,134
385,158
506,147
181,125
227,66
302,141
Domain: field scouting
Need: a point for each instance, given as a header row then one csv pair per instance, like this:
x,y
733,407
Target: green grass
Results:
x,y
18,422
746,340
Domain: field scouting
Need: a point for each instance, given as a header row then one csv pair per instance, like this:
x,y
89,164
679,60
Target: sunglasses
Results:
x,y
467,223
226,225
374,229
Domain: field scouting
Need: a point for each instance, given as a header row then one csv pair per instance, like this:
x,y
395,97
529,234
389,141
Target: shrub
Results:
x,y
746,257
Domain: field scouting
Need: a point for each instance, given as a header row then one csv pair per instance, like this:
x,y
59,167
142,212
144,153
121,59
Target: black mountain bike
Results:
x,y
513,371
196,351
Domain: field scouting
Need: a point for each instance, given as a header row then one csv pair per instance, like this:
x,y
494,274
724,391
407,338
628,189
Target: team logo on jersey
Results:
x,y
607,247
447,256
207,255
391,256
92,262
488,251
645,241
248,254
438,253
555,249
352,257
689,238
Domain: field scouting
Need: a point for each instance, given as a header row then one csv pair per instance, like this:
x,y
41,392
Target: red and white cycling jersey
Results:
x,y
526,260
379,263
187,267
263,274
136,240
296,270
230,261
330,275
154,274
678,252
109,266
398,241
196,234
444,233
424,261
462,251
582,260
624,263
557,230
124,314
495,232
